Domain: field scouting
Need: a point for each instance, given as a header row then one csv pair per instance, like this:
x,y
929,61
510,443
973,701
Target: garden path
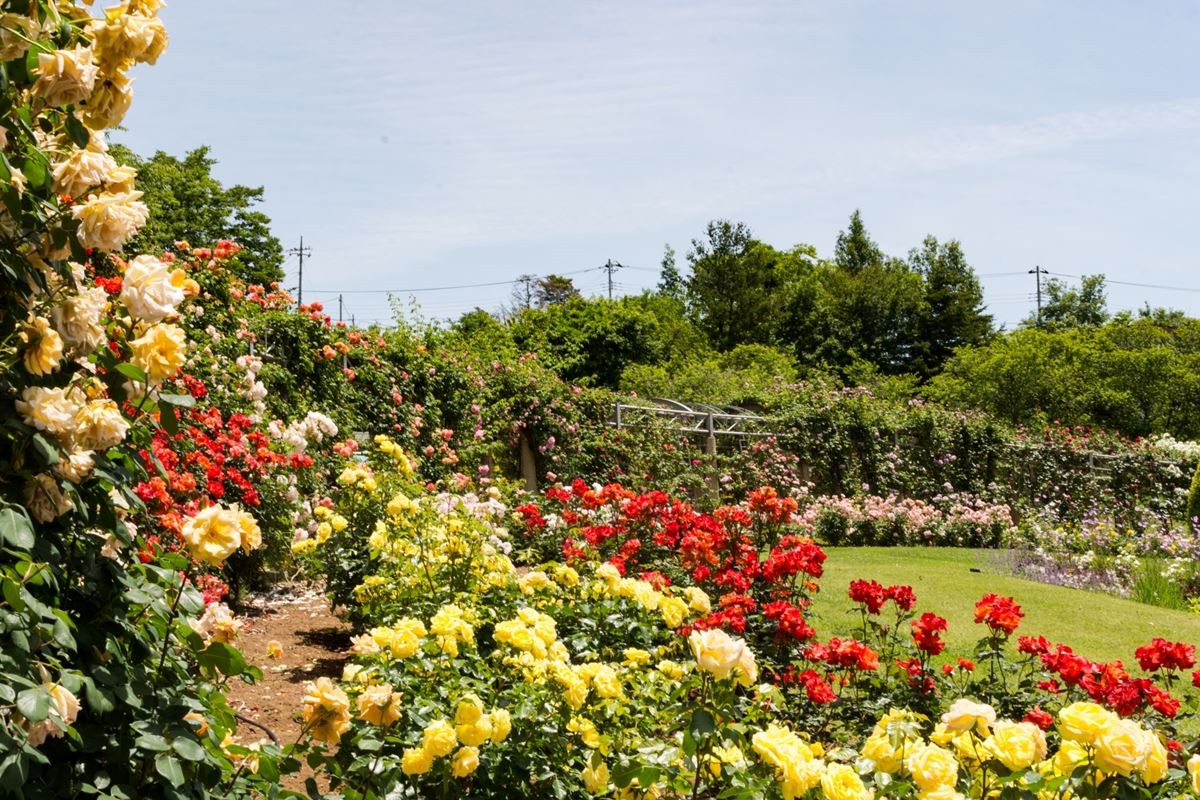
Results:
x,y
313,642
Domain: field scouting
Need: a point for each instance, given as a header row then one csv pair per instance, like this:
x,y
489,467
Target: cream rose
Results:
x,y
76,466
718,653
65,76
53,411
15,32
77,319
151,290
965,714
110,102
108,220
100,425
1122,747
43,347
83,170
45,501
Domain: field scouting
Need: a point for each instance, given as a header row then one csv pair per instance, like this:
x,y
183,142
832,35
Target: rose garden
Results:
x,y
877,597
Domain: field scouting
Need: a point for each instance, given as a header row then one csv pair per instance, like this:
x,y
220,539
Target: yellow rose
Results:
x,y
51,410
466,761
586,730
697,600
406,637
159,352
1069,756
964,714
501,724
1016,745
379,705
1193,768
1156,764
932,766
595,779
109,102
1122,747
416,761
43,347
606,683
841,782
326,711
878,748
670,669
63,702
475,733
1083,722
213,534
674,611
439,738
944,793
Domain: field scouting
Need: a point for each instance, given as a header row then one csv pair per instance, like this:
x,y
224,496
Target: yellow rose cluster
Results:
x,y
796,766
674,610
473,727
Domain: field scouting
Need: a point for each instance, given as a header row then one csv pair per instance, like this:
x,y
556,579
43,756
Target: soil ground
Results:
x,y
314,643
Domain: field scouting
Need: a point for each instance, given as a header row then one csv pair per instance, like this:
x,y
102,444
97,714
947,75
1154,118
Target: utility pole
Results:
x,y
1038,272
300,251
526,282
339,308
610,268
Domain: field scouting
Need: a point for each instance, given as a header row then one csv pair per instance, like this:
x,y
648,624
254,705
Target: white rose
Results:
x,y
151,290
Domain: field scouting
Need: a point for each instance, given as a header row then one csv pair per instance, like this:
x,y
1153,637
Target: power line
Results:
x,y
444,288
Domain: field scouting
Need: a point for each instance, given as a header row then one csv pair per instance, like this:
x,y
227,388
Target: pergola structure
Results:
x,y
699,418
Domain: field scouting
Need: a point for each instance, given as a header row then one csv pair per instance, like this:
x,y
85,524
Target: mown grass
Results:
x,y
948,582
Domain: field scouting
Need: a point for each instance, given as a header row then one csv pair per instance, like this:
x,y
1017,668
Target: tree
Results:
x,y
521,298
187,203
553,290
734,290
953,315
670,282
855,251
1068,307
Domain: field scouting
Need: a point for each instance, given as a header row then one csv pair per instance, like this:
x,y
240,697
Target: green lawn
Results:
x,y
1096,625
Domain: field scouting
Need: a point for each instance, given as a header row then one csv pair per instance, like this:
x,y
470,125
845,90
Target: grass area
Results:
x,y
948,582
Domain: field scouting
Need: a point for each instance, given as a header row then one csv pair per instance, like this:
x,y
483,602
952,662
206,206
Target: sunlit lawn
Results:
x,y
1098,626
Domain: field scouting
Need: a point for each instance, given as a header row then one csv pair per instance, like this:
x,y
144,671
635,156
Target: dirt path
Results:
x,y
313,642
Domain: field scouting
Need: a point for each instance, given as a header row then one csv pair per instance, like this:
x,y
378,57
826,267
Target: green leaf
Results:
x,y
34,704
132,372
168,419
46,450
189,749
702,722
16,528
75,129
178,400
169,767
152,741
223,658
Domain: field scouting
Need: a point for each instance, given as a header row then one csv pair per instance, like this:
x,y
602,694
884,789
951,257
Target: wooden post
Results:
x,y
528,465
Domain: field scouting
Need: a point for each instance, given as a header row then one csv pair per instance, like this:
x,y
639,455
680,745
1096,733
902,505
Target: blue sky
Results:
x,y
422,144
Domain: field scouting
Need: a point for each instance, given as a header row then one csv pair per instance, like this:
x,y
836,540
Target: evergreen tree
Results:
x,y
670,282
953,315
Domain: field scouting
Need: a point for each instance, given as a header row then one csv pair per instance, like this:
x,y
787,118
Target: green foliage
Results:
x,y
188,204
1137,376
953,316
1193,498
734,292
670,282
1065,307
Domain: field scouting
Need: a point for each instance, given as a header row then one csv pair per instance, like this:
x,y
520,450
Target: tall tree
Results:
x,y
670,282
954,313
855,251
733,291
1066,306
553,290
187,203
